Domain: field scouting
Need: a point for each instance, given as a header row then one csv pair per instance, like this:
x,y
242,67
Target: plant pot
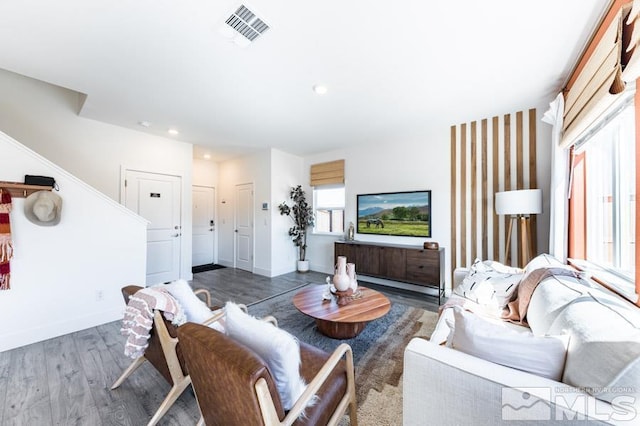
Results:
x,y
303,266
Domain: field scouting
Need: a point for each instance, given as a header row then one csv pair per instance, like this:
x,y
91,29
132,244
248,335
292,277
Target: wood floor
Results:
x,y
67,380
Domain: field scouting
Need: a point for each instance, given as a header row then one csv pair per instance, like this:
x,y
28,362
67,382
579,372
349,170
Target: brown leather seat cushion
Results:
x,y
330,393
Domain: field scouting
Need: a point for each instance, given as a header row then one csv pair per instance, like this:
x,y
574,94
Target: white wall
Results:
x,y
286,172
543,171
58,272
205,172
44,118
394,165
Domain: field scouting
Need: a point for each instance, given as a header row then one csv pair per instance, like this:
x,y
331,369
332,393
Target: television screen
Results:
x,y
395,213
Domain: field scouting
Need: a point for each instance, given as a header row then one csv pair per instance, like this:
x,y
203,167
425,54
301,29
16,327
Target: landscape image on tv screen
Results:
x,y
395,213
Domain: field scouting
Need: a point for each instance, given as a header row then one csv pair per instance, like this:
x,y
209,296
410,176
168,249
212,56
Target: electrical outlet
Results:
x,y
99,295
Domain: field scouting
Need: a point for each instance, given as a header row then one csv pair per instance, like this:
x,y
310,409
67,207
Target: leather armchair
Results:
x,y
233,384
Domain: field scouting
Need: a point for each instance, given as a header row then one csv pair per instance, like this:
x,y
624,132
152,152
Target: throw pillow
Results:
x,y
604,352
543,356
550,297
543,260
488,288
194,308
493,266
279,349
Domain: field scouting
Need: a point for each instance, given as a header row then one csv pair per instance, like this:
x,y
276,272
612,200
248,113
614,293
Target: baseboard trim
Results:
x,y
48,331
263,272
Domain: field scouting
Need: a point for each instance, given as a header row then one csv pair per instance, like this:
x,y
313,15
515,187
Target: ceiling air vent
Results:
x,y
247,24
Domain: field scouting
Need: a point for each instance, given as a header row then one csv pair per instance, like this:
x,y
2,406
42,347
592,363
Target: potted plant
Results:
x,y
302,215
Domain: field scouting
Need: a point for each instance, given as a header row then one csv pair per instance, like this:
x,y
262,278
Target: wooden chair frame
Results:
x,y
180,380
348,401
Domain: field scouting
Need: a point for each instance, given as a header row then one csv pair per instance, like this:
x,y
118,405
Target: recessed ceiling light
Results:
x,y
207,156
173,132
320,89
144,123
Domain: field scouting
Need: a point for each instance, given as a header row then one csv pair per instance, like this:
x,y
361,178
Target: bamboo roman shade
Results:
x,y
632,70
330,173
603,76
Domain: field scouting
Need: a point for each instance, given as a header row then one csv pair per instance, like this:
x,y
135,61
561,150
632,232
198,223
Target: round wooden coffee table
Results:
x,y
341,322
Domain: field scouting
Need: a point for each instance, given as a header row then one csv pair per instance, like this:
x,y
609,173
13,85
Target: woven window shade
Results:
x,y
632,28
599,82
330,173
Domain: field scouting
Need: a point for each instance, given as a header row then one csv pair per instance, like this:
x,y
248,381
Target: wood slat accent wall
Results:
x,y
485,161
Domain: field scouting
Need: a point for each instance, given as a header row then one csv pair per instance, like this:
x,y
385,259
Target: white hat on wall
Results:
x,y
43,208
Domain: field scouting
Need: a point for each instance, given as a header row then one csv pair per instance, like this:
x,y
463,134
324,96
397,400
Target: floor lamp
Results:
x,y
520,205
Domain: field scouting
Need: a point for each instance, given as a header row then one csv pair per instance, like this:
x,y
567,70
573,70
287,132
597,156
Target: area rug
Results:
x,y
378,352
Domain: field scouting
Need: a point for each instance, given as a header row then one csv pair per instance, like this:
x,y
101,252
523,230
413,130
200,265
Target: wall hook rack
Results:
x,y
21,190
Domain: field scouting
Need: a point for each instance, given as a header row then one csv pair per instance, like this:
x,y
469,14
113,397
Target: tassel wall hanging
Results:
x,y
6,247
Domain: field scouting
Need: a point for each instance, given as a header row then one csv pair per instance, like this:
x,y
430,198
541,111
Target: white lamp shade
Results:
x,y
524,201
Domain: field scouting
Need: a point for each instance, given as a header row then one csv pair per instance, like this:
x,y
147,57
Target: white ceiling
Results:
x,y
394,69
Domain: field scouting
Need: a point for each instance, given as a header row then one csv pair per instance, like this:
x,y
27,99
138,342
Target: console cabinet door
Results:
x,y
347,250
367,259
393,263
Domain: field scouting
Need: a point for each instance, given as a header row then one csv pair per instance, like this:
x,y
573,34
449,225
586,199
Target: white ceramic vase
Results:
x,y
351,273
341,280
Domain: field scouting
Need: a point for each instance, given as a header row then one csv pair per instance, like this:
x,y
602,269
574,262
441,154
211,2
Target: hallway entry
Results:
x,y
204,226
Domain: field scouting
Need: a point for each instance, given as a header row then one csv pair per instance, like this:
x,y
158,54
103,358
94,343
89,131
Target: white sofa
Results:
x,y
600,372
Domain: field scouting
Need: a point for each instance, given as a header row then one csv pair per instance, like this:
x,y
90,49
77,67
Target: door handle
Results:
x,y
235,230
211,229
175,235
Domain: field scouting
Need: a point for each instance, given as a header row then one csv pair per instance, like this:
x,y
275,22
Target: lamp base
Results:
x,y
526,245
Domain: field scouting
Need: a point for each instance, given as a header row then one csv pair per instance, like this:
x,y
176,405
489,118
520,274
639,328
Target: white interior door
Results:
x,y
244,227
203,249
156,197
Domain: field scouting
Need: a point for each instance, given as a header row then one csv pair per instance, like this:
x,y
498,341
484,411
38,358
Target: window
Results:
x,y
328,203
606,180
610,176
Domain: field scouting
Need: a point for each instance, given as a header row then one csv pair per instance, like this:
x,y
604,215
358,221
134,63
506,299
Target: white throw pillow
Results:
x,y
194,308
488,288
493,266
604,352
543,356
548,300
279,349
543,260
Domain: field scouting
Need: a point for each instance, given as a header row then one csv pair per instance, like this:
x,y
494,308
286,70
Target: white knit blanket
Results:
x,y
138,317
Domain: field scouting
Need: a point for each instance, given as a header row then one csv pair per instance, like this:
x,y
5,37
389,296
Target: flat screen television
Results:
x,y
406,213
